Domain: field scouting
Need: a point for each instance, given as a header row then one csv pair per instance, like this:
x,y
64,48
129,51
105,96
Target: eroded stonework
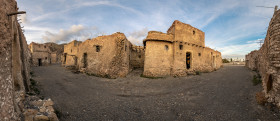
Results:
x,y
266,60
179,51
45,54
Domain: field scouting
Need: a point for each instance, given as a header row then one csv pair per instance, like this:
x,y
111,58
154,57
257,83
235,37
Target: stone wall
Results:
x,y
267,61
106,56
70,53
137,56
166,54
251,60
14,66
45,54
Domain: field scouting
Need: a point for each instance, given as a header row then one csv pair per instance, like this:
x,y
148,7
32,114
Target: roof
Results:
x,y
158,36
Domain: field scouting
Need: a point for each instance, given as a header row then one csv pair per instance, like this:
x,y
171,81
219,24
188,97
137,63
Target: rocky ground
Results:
x,y
226,94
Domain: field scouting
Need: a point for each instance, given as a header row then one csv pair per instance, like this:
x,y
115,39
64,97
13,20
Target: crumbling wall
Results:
x,y
46,53
166,54
40,54
137,56
14,66
106,56
70,53
267,60
252,60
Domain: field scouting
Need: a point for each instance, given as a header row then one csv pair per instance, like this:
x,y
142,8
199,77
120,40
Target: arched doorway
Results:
x,y
269,83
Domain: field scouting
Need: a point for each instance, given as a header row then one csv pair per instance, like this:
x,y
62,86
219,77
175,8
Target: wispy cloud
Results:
x,y
78,32
229,25
137,37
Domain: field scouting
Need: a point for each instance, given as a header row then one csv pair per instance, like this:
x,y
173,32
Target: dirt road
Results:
x,y
227,94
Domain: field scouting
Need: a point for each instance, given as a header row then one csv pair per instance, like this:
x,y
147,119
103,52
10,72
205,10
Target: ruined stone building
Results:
x,y
137,56
266,60
45,54
180,50
70,53
106,56
14,63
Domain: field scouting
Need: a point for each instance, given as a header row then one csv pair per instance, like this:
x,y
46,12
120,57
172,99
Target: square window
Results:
x,y
181,47
166,47
199,54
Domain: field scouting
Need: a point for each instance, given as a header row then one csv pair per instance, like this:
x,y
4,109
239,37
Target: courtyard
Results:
x,y
225,94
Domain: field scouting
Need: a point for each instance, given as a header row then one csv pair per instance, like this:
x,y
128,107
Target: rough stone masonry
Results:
x,y
15,104
266,60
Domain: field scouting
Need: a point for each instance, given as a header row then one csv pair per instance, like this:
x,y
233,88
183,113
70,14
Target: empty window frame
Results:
x,y
181,47
166,47
97,48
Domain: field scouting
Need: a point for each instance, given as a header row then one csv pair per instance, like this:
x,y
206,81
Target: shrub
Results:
x,y
260,97
225,61
197,73
256,80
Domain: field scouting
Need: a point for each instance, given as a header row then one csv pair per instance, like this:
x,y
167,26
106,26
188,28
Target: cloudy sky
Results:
x,y
231,26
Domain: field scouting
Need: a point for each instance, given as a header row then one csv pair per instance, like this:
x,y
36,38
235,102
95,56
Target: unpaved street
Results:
x,y
227,94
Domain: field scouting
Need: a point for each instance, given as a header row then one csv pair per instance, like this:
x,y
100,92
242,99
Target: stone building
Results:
x,y
45,54
137,57
179,51
266,60
105,56
70,53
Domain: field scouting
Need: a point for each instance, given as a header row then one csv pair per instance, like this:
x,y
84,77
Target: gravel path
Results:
x,y
227,94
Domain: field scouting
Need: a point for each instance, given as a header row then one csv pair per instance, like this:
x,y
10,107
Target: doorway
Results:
x,y
65,55
188,60
214,62
39,62
85,60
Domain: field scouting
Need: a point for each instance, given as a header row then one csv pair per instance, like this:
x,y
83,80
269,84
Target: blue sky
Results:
x,y
231,26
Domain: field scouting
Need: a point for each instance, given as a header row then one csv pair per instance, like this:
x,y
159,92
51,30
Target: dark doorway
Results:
x,y
65,55
75,60
85,60
188,60
269,84
39,62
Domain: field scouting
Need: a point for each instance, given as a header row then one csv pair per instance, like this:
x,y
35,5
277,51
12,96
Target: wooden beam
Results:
x,y
15,13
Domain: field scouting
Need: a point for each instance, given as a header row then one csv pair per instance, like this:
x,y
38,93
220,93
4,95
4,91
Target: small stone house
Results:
x,y
179,51
40,54
105,56
70,53
45,54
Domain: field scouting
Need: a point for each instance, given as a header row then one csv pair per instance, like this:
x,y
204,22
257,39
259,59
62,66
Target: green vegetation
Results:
x,y
256,80
197,73
225,61
34,88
